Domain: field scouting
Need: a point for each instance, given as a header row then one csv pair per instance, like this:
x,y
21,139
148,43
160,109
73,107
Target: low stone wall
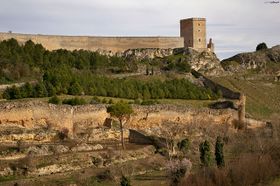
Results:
x,y
142,138
215,87
139,138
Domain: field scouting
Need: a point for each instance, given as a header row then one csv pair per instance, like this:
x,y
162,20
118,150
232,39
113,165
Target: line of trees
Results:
x,y
103,86
32,60
205,153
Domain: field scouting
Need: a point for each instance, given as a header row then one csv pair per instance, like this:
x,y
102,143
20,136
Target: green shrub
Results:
x,y
149,102
74,101
95,100
261,46
184,145
104,100
125,181
137,101
55,100
75,89
111,101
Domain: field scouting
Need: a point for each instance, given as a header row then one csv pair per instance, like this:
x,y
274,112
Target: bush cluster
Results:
x,y
74,101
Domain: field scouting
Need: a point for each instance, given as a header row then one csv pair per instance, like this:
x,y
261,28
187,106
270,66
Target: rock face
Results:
x,y
205,62
266,61
23,120
150,53
149,118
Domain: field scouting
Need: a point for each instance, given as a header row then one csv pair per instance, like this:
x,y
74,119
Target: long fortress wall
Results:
x,y
93,43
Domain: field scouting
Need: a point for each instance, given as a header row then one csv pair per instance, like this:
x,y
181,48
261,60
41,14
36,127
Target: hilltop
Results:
x,y
265,61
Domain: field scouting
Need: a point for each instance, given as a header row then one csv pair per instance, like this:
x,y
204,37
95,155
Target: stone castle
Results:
x,y
192,34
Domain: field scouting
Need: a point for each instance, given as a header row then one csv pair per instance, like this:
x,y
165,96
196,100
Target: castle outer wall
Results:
x,y
113,44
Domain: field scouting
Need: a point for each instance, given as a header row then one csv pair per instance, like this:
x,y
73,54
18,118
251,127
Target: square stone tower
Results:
x,y
193,30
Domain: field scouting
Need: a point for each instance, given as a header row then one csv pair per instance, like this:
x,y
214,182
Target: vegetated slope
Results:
x,y
264,61
83,72
263,98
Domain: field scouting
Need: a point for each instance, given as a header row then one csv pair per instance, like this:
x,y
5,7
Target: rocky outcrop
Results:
x,y
205,62
150,53
86,147
265,61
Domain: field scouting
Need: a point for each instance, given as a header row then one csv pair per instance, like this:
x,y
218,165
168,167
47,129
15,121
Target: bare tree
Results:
x,y
172,132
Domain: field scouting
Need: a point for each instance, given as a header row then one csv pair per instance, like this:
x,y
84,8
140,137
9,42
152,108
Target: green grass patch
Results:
x,y
7,178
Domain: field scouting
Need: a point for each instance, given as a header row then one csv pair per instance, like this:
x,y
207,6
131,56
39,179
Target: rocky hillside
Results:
x,y
264,61
149,53
205,62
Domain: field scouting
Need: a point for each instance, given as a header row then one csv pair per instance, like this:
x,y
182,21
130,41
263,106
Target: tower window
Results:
x,y
199,40
198,24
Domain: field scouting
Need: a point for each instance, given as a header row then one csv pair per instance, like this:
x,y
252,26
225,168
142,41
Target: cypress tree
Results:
x,y
205,153
219,154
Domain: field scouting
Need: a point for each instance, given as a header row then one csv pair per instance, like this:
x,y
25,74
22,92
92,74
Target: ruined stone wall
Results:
x,y
36,114
149,117
114,44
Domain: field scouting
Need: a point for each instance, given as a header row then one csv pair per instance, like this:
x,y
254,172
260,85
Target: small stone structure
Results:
x,y
242,109
211,45
277,77
139,137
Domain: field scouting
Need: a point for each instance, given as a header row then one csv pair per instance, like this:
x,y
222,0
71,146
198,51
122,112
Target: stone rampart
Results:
x,y
94,43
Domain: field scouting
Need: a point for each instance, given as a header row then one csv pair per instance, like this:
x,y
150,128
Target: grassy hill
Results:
x,y
263,100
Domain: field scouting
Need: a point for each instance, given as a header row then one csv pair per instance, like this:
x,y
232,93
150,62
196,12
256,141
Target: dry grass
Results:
x,y
252,158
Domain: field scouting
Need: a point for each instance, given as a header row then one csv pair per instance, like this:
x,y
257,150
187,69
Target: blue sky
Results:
x,y
234,25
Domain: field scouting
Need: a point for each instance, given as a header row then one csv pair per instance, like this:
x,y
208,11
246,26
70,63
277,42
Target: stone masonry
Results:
x,y
193,34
